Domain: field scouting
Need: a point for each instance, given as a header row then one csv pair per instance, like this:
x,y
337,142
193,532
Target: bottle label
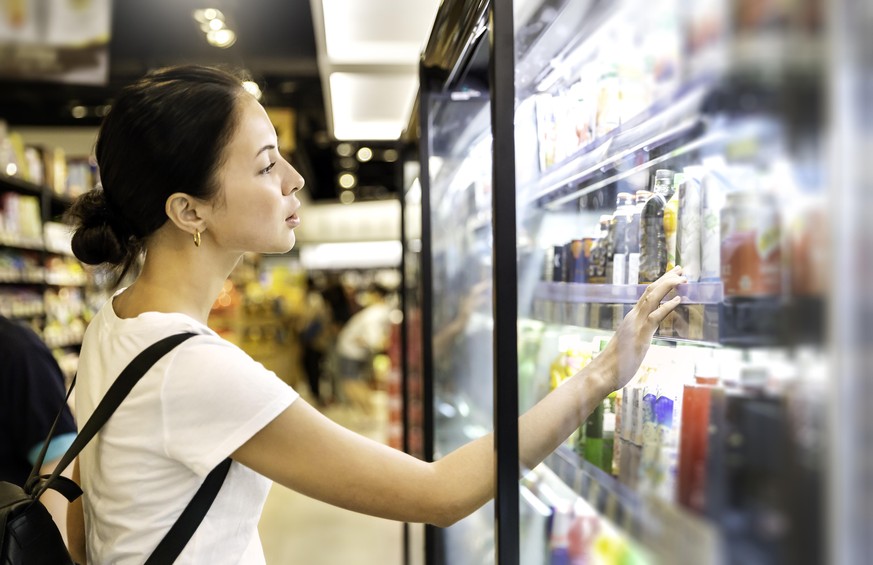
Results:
x,y
619,269
633,268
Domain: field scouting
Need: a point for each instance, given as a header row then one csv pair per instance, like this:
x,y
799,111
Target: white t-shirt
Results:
x,y
195,407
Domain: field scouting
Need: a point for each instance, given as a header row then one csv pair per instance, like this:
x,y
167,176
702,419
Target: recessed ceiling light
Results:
x,y
222,38
344,149
347,180
390,155
347,197
364,154
204,15
79,112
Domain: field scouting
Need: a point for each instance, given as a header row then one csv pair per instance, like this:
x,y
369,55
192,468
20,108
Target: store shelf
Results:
x,y
693,293
21,186
657,525
18,242
704,315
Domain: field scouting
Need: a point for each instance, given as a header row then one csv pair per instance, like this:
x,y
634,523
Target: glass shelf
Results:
x,y
693,293
704,315
658,525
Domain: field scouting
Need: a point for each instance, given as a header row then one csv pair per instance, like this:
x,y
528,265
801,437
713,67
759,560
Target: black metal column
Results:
x,y
502,77
431,535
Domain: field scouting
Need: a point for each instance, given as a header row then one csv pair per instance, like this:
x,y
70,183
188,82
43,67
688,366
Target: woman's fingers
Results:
x,y
655,292
663,310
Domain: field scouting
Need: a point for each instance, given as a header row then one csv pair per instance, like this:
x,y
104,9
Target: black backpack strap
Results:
x,y
180,533
34,475
177,538
116,393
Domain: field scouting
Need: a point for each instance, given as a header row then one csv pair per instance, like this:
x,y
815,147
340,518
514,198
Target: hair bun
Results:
x,y
95,240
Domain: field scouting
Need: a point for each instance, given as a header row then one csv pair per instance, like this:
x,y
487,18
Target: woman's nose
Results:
x,y
293,182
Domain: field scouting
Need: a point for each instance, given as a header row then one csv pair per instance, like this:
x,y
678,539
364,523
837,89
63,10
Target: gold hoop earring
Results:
x,y
196,238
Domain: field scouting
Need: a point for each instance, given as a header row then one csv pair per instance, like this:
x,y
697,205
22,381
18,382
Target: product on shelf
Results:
x,y
689,220
633,236
694,436
616,262
599,251
671,221
653,240
751,259
712,191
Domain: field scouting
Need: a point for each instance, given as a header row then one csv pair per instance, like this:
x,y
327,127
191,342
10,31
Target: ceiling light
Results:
x,y
79,112
347,197
390,155
344,149
348,163
364,154
373,106
11,169
216,25
377,31
347,180
204,15
222,38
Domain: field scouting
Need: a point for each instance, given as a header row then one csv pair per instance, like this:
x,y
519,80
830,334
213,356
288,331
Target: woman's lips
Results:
x,y
293,220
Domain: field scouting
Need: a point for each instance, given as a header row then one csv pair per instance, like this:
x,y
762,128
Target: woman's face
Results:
x,y
256,208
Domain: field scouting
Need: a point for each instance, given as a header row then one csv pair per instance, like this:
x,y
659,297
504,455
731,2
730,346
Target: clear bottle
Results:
x,y
653,240
633,236
597,262
671,220
616,269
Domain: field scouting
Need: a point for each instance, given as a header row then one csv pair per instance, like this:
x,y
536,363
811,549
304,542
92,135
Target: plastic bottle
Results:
x,y
712,197
616,266
694,435
688,239
633,236
653,242
671,221
599,250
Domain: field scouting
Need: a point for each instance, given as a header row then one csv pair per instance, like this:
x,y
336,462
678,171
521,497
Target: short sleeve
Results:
x,y
214,398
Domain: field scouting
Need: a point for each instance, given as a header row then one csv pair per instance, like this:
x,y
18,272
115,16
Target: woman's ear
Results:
x,y
187,212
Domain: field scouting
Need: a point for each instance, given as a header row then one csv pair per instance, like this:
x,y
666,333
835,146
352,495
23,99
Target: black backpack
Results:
x,y
30,536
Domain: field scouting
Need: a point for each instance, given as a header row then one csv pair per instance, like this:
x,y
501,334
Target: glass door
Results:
x,y
648,135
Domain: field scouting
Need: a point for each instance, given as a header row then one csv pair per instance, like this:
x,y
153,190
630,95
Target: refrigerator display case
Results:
x,y
649,135
626,138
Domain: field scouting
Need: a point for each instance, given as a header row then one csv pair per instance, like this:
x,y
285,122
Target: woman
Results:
x,y
192,176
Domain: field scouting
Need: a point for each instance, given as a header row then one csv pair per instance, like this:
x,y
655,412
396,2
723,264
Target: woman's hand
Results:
x,y
631,341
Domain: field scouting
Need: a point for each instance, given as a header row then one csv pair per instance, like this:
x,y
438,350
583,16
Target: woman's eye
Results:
x,y
267,170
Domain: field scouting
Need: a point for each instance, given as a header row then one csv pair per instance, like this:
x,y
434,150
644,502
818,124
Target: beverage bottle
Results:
x,y
690,230
617,262
633,236
653,240
597,262
694,436
712,189
671,220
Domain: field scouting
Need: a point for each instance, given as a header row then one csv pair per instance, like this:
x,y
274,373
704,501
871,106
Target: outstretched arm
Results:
x,y
307,452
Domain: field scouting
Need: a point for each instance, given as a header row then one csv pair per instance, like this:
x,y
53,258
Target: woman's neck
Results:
x,y
176,279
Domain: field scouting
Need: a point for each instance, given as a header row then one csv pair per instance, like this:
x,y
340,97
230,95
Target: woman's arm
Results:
x,y
76,524
309,453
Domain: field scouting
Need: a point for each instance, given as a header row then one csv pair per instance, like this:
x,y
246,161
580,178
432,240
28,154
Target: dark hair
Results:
x,y
166,133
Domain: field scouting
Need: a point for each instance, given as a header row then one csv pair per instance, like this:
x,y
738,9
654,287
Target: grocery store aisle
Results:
x,y
299,530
